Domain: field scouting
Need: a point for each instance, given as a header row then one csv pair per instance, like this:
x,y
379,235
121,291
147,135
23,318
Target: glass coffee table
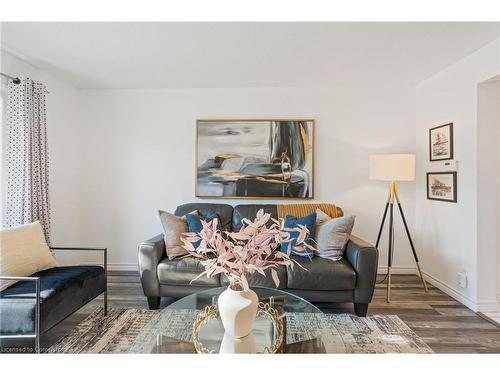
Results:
x,y
304,328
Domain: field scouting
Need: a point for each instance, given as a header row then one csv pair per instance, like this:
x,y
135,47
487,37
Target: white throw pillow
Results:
x,y
23,252
332,235
321,218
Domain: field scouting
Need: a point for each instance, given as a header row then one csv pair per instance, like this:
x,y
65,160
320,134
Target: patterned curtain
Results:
x,y
27,156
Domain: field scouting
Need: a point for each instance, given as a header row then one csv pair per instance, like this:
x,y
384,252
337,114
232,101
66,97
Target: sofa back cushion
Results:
x,y
23,252
249,211
224,211
280,211
231,218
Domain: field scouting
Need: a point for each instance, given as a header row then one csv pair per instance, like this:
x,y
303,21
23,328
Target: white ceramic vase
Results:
x,y
237,309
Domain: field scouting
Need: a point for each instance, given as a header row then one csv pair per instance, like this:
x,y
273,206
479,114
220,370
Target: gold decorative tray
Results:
x,y
264,310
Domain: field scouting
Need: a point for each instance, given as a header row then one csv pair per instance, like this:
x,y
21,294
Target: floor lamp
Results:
x,y
394,168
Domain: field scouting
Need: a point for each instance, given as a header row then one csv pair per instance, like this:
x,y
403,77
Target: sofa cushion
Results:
x,y
249,211
63,291
224,211
181,271
24,251
321,274
263,281
332,235
194,223
173,228
292,222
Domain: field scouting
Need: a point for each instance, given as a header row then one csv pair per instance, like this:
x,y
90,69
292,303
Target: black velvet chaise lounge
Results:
x,y
38,302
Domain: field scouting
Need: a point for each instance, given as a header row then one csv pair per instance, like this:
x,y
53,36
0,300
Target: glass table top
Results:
x,y
305,331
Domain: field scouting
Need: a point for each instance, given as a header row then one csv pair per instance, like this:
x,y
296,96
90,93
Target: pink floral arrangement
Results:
x,y
254,248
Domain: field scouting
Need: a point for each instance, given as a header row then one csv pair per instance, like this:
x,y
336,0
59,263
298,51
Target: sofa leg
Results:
x,y
106,302
360,309
153,303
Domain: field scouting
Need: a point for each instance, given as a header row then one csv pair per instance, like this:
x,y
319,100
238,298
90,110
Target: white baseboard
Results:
x,y
487,306
492,317
397,270
123,267
452,292
498,304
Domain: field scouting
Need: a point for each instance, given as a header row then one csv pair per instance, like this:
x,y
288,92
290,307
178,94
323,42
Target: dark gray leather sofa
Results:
x,y
352,279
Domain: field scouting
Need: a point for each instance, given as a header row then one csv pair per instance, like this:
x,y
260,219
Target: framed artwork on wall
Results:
x,y
255,158
441,142
442,186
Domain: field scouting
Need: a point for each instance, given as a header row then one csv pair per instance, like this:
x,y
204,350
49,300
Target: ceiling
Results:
x,y
209,55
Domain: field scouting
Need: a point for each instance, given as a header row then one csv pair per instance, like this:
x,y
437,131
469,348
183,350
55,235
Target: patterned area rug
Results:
x,y
134,331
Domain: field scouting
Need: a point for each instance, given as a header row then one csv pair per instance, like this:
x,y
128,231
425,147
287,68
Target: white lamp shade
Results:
x,y
392,167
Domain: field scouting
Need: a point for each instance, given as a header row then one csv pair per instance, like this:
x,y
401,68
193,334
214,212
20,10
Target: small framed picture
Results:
x,y
442,186
441,142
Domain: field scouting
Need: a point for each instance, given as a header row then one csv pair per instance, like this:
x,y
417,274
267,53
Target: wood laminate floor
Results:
x,y
444,324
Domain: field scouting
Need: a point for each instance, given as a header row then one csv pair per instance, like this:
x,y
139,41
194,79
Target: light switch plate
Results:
x,y
450,165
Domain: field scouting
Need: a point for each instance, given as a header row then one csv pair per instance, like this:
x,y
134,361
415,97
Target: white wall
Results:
x,y
447,232
498,194
138,154
487,195
63,117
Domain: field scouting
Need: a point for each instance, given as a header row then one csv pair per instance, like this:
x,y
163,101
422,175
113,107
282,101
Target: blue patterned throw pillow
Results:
x,y
194,223
292,222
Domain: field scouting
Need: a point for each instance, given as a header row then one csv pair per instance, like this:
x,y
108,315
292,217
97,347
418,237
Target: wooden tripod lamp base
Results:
x,y
393,168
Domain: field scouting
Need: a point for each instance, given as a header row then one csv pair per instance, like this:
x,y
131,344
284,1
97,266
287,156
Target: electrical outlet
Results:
x,y
462,278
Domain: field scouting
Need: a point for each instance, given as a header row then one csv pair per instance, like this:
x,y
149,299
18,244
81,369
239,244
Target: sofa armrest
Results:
x,y
104,264
151,252
364,259
104,255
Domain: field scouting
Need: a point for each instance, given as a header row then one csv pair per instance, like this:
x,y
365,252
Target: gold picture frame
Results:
x,y
293,139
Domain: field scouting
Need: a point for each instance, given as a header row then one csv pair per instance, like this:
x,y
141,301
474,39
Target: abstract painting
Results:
x,y
254,158
442,186
441,142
